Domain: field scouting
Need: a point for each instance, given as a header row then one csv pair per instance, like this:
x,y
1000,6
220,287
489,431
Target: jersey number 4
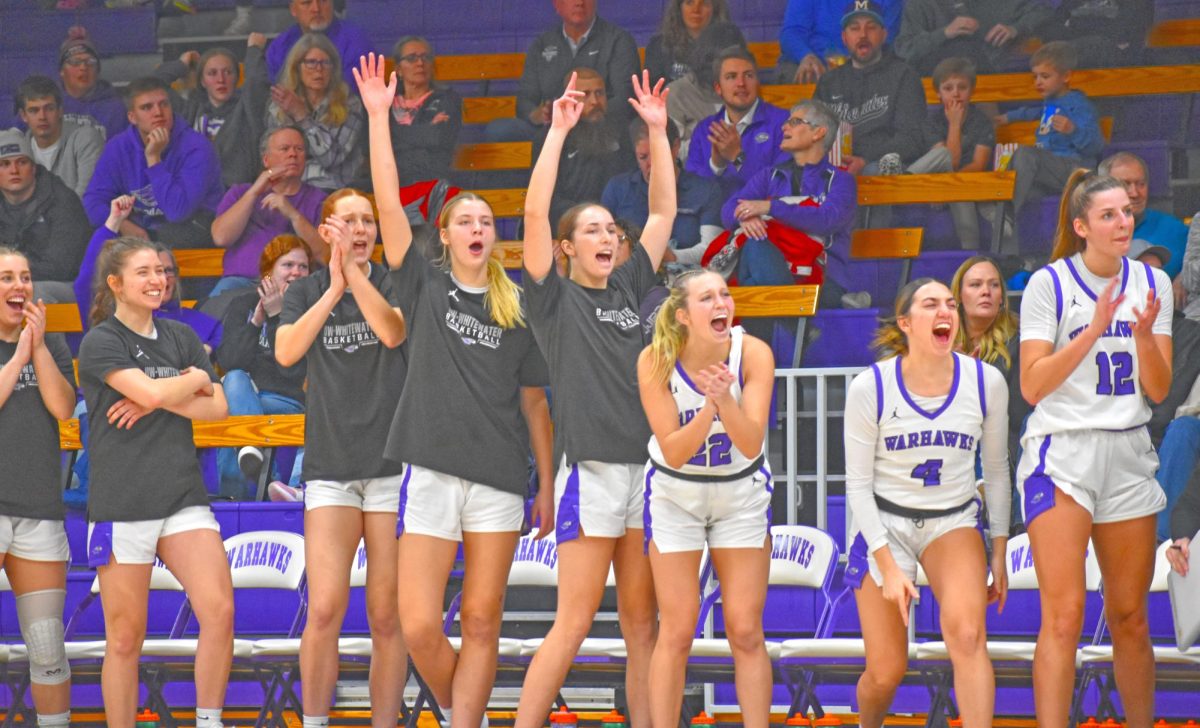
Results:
x,y
929,472
714,451
1116,373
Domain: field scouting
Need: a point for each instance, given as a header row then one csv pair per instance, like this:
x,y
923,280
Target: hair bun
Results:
x,y
77,32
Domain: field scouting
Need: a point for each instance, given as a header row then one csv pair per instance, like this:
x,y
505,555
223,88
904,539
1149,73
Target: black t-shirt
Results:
x,y
150,470
977,131
29,459
252,349
354,383
592,339
464,416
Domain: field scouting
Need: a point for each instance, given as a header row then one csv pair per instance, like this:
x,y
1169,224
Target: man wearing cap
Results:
x,y
983,31
743,137
1152,226
172,170
41,217
66,148
87,99
878,94
316,16
810,41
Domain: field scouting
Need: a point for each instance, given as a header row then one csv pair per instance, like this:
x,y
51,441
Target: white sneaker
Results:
x,y
250,460
857,299
282,493
241,23
889,164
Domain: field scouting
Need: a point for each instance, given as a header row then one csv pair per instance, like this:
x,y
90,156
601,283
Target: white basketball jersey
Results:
x,y
717,455
1103,392
925,449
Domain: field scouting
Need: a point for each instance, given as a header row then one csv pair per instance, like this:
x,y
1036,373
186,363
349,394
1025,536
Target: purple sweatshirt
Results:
x,y
349,38
760,144
241,258
187,179
833,219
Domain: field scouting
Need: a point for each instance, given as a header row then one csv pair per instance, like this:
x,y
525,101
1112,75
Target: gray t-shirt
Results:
x,y
30,460
354,383
465,417
150,470
592,338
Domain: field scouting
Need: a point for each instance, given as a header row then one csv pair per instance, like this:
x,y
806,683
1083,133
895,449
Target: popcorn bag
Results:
x,y
1002,157
843,145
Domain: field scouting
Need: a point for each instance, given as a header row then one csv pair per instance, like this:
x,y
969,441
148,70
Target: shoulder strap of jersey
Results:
x,y
878,392
1150,278
1058,294
982,392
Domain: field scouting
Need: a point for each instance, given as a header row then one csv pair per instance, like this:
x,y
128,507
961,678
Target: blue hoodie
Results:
x,y
187,179
1085,142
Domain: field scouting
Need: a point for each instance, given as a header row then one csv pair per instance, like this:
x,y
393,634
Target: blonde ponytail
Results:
x,y
1076,200
503,298
670,336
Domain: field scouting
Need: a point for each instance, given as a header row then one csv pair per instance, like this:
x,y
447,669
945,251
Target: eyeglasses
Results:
x,y
414,57
316,64
85,61
794,122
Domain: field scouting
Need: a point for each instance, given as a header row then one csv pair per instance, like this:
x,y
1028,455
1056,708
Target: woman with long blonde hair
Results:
x,y
480,381
1095,346
311,94
706,388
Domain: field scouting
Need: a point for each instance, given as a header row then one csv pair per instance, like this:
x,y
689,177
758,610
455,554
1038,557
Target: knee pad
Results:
x,y
40,614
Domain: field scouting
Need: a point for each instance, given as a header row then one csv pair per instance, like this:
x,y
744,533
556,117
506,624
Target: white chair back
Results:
x,y
1021,574
358,567
266,560
535,563
1162,567
4,585
801,556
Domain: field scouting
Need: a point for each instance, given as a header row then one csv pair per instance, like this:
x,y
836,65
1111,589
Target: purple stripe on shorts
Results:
x,y
566,522
1038,487
857,566
100,544
403,500
647,530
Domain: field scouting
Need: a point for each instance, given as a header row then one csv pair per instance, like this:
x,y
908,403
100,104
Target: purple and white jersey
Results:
x,y
919,452
1104,391
717,454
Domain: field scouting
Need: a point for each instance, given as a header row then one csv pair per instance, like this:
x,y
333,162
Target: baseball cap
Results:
x,y
862,7
1139,247
14,144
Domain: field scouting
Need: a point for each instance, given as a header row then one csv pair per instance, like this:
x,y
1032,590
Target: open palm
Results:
x,y
376,91
651,102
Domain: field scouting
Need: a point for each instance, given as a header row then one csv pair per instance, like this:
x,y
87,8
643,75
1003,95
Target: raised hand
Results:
x,y
1106,306
1143,321
35,322
337,272
256,40
566,109
156,144
717,381
118,212
270,296
289,102
24,350
651,103
376,91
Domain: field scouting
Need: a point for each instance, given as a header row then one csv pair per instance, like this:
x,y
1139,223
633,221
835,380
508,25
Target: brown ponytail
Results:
x,y
110,262
889,339
1076,200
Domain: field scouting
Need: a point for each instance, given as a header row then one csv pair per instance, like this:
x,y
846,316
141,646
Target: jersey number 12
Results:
x,y
1116,373
714,451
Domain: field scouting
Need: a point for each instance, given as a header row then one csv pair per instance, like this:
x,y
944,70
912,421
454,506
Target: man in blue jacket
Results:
x,y
172,170
786,192
743,137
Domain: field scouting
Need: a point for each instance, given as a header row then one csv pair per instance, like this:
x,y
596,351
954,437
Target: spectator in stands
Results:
x,y
1103,32
426,118
743,137
668,53
66,148
317,16
694,97
880,95
984,32
1068,136
698,215
41,218
960,138
823,213
256,384
1152,226
87,98
597,149
810,41
205,326
231,118
584,39
311,95
172,170
1185,524
250,216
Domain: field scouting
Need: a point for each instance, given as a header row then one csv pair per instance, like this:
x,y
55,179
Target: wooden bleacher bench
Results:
x,y
494,156
903,244
1176,33
257,430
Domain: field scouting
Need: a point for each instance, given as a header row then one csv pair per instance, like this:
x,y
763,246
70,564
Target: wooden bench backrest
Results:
x,y
908,189
886,243
257,430
1175,33
1025,132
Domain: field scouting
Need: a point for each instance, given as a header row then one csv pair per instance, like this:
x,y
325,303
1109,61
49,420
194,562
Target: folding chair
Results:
x,y
272,560
16,680
1177,668
1011,659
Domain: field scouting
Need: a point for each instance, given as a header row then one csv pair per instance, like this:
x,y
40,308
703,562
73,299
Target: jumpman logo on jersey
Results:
x,y
454,295
1075,302
895,414
139,354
